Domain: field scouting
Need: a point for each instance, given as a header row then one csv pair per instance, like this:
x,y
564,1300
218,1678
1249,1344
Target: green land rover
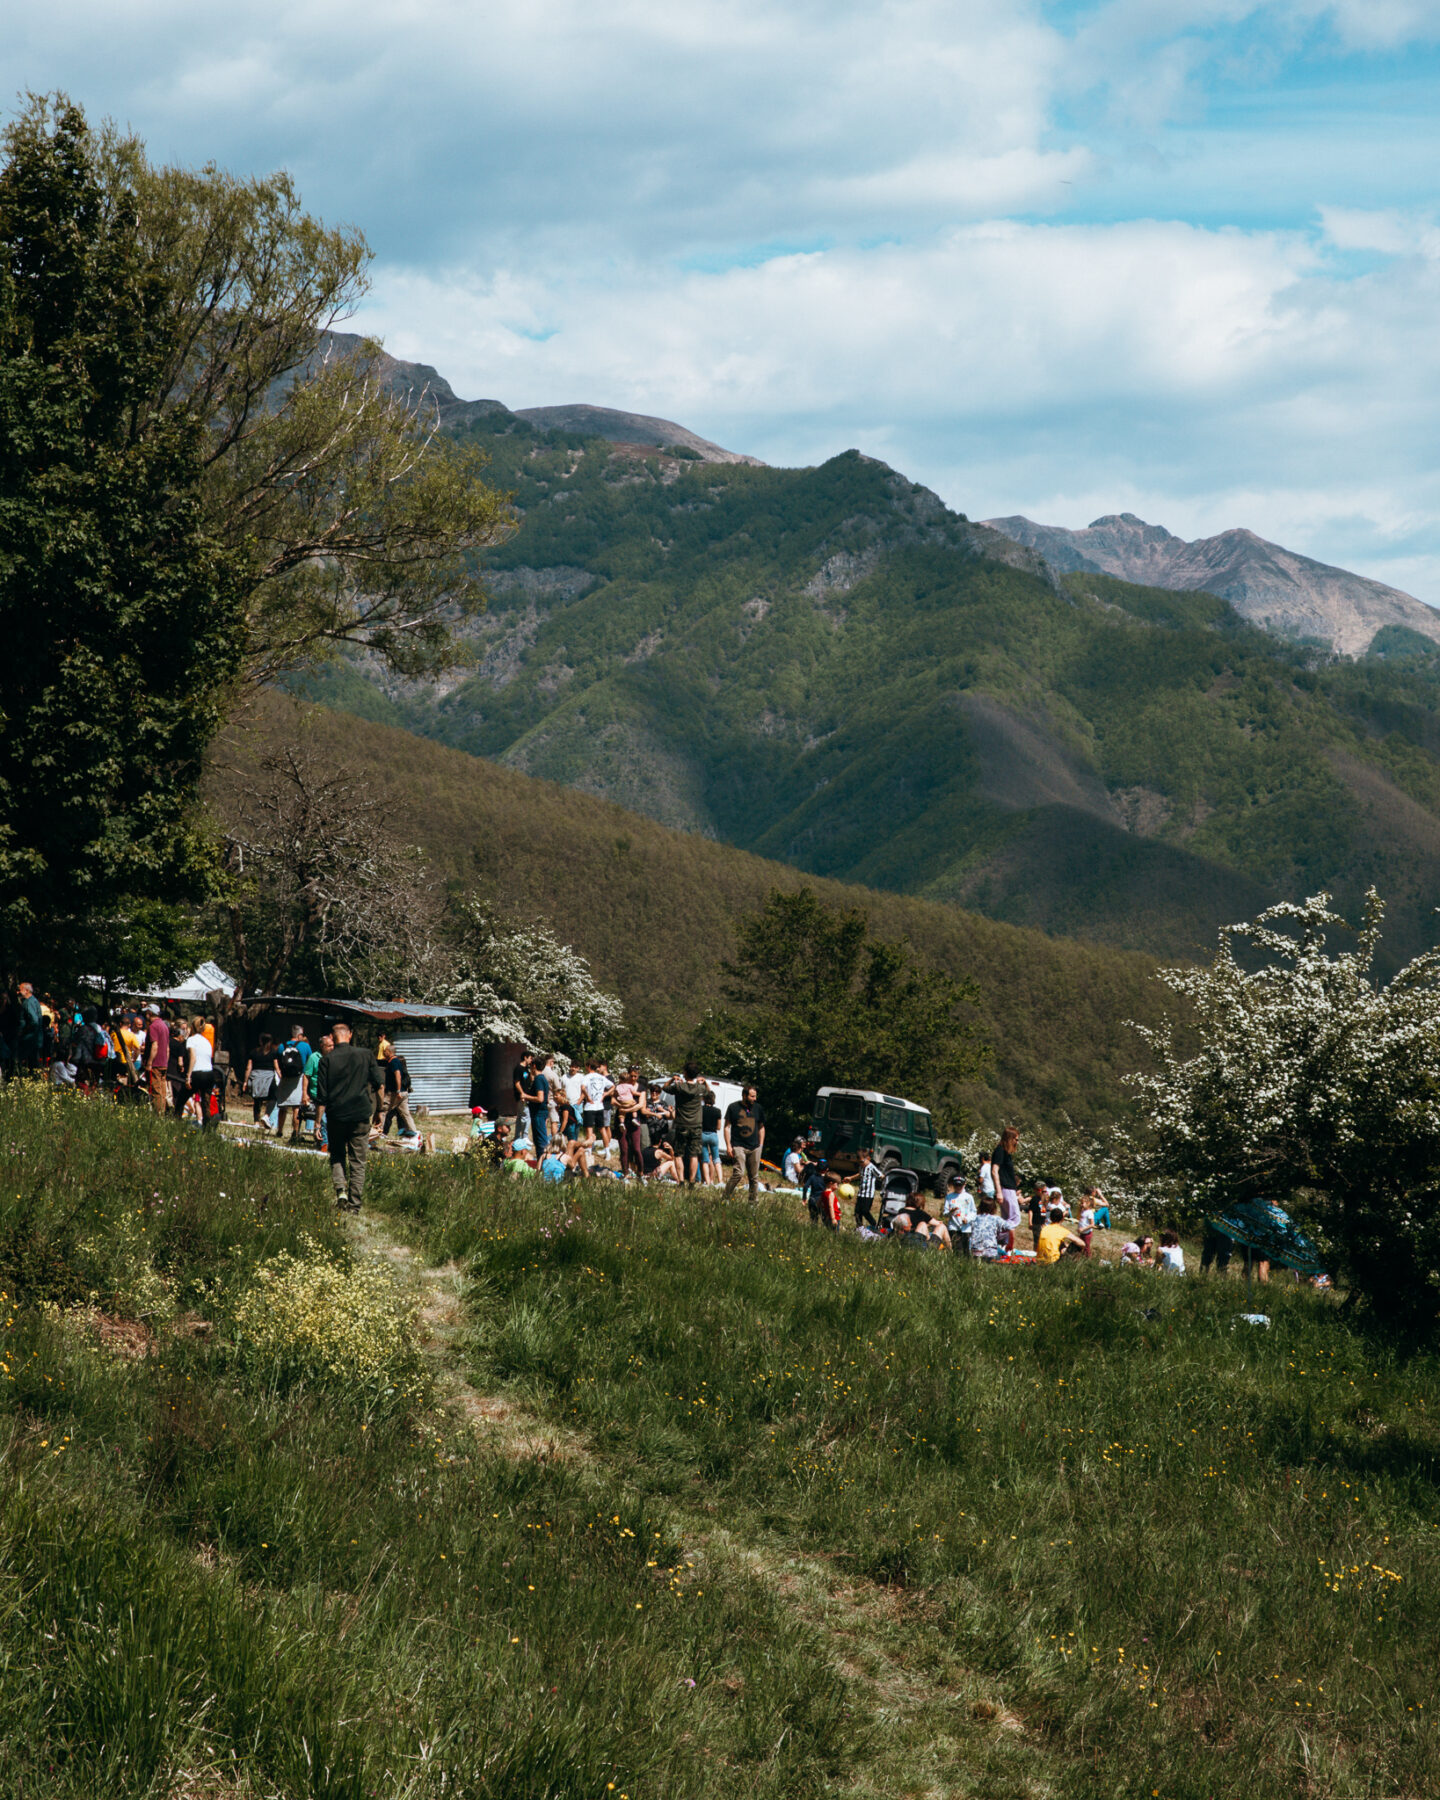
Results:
x,y
898,1133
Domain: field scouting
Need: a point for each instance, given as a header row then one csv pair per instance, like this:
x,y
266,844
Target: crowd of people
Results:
x,y
590,1121
338,1097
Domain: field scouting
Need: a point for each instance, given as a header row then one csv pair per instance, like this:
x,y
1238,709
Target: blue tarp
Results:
x,y
1268,1230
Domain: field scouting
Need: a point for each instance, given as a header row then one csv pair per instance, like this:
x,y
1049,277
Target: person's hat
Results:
x,y
477,1112
153,1008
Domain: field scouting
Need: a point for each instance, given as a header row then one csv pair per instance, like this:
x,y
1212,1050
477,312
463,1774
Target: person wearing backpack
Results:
x,y
294,1054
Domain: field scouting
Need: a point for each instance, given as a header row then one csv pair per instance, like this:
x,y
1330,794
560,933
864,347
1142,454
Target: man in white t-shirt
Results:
x,y
200,1069
595,1084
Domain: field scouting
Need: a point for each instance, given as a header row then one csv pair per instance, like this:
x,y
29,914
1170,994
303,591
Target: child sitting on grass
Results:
x,y
987,1236
1171,1256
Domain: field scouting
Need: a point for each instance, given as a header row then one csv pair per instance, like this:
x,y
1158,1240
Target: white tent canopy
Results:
x,y
199,986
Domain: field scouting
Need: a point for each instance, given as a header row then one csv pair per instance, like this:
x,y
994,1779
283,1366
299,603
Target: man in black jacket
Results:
x,y
348,1081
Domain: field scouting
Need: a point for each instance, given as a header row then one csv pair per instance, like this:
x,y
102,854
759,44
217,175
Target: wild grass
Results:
x,y
819,1518
213,1575
1194,1556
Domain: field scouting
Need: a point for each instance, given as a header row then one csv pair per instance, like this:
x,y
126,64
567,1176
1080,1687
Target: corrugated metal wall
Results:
x,y
439,1065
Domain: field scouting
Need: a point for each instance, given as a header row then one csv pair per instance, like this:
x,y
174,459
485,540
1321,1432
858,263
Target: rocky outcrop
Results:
x,y
1290,595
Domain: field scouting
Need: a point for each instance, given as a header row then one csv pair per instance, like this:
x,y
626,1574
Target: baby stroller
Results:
x,y
899,1190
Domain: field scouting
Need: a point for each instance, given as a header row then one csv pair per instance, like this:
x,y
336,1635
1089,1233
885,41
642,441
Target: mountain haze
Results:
x,y
1276,589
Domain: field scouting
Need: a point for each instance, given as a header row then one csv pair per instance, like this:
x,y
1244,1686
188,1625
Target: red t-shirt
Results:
x,y
158,1045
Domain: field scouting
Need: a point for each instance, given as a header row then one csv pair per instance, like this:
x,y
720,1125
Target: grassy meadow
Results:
x,y
612,1493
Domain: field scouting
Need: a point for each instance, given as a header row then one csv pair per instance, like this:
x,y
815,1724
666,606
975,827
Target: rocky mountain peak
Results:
x,y
1277,589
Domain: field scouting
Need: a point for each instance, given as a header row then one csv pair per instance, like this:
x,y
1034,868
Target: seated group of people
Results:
x,y
964,1225
575,1158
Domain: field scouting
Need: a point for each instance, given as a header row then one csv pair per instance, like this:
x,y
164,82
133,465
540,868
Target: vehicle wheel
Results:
x,y
948,1171
889,1162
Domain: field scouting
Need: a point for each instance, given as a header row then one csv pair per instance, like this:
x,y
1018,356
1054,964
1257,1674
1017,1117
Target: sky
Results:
x,y
1173,257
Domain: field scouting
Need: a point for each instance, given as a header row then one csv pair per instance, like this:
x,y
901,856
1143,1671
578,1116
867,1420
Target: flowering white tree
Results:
x,y
530,988
1316,1086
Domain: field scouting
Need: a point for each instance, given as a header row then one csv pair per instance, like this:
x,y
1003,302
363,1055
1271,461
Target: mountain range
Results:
x,y
1276,589
831,668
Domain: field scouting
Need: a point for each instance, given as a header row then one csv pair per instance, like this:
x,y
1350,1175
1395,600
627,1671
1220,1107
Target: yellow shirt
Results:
x,y
1053,1239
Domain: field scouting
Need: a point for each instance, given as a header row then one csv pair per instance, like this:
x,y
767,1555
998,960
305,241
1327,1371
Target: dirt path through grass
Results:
x,y
926,1712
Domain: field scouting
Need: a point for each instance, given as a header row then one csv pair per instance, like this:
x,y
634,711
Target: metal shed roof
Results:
x,y
381,1010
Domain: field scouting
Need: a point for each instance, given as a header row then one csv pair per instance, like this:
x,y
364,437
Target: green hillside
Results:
x,y
828,667
653,910
500,1492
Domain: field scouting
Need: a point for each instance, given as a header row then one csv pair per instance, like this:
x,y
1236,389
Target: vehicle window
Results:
x,y
892,1119
847,1108
921,1125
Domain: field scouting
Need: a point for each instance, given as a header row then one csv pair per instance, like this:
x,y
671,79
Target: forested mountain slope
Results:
x,y
653,910
830,668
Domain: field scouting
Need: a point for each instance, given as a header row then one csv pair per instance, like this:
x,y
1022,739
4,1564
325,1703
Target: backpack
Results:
x,y
100,1043
292,1063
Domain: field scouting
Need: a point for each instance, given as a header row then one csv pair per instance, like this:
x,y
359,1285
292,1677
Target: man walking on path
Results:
x,y
744,1139
157,1060
397,1094
31,1039
348,1082
692,1095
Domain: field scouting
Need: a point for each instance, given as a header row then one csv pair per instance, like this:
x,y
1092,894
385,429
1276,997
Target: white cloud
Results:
x,y
804,224
1203,378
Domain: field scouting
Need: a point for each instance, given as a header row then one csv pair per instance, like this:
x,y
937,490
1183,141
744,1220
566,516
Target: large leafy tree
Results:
x,y
193,495
122,617
814,999
1316,1086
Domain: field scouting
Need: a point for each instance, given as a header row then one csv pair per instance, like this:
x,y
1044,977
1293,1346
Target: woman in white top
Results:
x,y
200,1068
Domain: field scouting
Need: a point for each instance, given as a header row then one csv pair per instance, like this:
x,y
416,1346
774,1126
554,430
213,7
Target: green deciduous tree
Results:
x,y
193,495
352,520
814,999
1318,1087
123,621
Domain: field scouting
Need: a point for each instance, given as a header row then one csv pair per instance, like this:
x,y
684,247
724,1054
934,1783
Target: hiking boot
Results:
x,y
342,1200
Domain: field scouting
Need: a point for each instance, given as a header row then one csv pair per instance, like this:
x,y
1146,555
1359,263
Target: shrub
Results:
x,y
309,1317
1318,1087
